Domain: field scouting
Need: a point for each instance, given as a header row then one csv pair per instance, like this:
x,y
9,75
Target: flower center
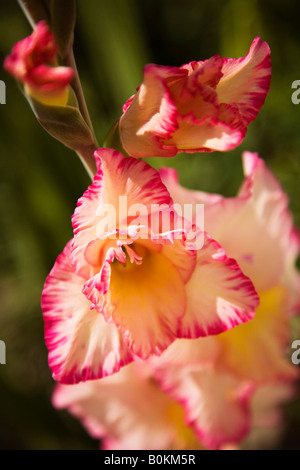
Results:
x,y
133,256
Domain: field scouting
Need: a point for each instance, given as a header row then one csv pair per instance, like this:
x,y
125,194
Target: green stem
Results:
x,y
86,155
76,85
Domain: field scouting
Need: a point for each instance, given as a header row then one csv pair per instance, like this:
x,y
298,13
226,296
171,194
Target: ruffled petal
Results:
x,y
271,204
199,107
151,117
219,295
121,187
216,404
196,94
256,228
188,352
82,346
246,81
206,135
291,276
146,302
256,350
116,410
182,259
50,79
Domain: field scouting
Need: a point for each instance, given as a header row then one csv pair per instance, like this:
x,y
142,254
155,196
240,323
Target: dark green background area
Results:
x,y
41,180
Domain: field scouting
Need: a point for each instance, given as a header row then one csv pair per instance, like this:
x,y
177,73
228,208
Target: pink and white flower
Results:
x,y
210,393
178,401
228,375
199,107
128,411
186,404
81,344
216,403
149,289
34,62
133,410
256,228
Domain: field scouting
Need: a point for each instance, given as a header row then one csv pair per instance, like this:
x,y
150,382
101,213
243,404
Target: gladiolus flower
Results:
x,y
128,411
223,407
215,402
217,387
34,63
176,402
256,228
135,276
198,107
221,411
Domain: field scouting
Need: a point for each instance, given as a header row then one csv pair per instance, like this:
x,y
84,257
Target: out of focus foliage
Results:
x,y
40,180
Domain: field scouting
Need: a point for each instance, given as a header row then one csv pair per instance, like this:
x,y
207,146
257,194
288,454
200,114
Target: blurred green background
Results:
x,y
41,180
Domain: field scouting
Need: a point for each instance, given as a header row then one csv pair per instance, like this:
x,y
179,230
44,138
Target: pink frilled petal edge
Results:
x,y
81,345
219,295
120,184
246,81
271,203
216,404
150,116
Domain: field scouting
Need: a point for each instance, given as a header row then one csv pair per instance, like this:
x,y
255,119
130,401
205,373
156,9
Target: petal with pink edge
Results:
x,y
116,409
152,114
271,203
256,228
205,135
146,301
186,352
216,404
291,276
219,295
120,183
81,345
256,350
246,81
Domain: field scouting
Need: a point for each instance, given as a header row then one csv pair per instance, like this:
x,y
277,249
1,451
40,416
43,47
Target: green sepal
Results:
x,y
66,124
113,140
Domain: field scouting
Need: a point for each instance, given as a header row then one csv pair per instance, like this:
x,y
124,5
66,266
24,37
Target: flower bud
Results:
x,y
34,63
